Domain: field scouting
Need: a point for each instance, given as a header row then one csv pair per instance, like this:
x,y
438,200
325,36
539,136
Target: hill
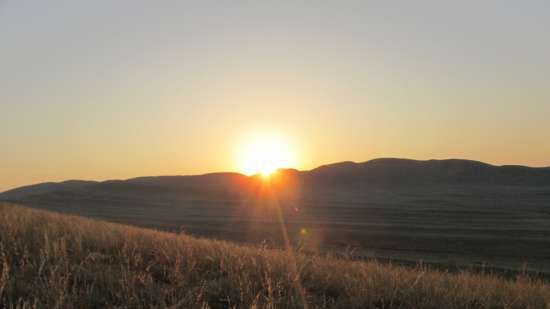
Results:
x,y
451,171
451,212
44,188
381,171
50,260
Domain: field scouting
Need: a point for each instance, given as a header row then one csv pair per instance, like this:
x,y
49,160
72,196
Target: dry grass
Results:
x,y
56,261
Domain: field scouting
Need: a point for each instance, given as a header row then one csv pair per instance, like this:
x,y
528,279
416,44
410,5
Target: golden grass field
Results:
x,y
49,260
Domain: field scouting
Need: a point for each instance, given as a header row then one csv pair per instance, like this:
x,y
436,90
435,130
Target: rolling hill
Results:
x,y
50,260
384,171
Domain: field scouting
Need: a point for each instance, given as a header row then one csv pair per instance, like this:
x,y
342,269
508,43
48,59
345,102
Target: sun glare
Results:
x,y
265,156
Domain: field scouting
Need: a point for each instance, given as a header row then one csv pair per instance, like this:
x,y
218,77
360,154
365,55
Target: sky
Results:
x,y
117,89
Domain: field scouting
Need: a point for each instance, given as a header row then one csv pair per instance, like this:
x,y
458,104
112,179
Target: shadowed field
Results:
x,y
49,260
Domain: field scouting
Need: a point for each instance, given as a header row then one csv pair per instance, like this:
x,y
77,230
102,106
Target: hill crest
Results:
x,y
375,171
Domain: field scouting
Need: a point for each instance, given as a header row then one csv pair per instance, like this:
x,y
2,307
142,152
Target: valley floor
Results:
x,y
49,260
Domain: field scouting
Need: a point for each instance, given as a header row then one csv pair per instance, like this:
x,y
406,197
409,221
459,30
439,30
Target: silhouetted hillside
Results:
x,y
384,171
405,171
42,188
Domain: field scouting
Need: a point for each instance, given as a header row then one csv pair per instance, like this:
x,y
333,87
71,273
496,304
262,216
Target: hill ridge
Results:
x,y
345,170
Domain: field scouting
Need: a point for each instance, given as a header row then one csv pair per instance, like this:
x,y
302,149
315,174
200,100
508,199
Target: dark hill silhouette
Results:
x,y
406,171
46,187
383,171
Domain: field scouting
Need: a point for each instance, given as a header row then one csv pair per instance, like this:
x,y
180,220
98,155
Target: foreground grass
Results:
x,y
49,260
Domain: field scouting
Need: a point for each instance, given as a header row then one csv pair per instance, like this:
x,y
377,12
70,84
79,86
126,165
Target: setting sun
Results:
x,y
265,155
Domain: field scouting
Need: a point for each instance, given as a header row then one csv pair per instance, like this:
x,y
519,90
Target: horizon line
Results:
x,y
279,169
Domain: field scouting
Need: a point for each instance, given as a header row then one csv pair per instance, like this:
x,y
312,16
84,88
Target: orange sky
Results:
x,y
152,89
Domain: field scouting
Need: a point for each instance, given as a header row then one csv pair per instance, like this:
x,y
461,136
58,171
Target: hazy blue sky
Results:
x,y
115,89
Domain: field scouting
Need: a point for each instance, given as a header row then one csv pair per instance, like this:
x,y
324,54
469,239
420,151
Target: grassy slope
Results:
x,y
57,261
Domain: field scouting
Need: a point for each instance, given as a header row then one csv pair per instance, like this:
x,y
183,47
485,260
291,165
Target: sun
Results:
x,y
265,155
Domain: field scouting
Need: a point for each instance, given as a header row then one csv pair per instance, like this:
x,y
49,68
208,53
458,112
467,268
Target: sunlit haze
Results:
x,y
118,89
264,155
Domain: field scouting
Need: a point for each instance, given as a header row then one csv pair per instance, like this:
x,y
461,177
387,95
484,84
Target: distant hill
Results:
x,y
383,171
42,188
215,183
398,171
